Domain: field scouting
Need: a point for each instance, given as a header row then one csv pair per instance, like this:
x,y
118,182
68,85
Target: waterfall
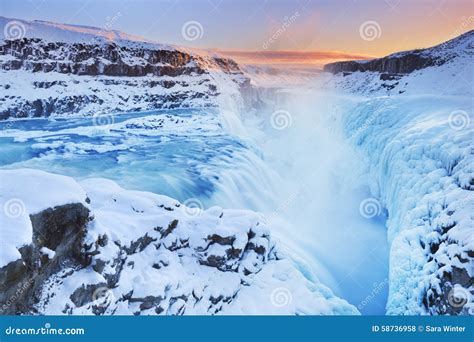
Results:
x,y
303,174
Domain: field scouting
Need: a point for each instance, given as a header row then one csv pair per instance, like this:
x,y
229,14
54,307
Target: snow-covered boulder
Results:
x,y
94,248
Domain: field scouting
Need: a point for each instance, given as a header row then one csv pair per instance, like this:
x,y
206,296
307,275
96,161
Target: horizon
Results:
x,y
303,33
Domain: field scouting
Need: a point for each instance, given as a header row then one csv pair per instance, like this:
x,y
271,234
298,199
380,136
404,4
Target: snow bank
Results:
x,y
25,192
150,254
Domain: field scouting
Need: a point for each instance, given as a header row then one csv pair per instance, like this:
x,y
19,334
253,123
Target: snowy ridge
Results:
x,y
409,61
59,32
57,70
146,254
451,77
417,133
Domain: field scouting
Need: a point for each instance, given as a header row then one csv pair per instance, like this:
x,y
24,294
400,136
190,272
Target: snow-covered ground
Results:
x,y
153,255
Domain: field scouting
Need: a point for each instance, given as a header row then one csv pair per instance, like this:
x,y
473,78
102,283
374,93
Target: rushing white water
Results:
x,y
311,184
289,160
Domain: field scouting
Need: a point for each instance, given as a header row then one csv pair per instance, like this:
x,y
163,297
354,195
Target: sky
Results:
x,y
280,30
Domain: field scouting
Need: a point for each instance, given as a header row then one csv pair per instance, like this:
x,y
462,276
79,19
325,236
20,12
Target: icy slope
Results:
x,y
54,69
64,32
417,132
95,248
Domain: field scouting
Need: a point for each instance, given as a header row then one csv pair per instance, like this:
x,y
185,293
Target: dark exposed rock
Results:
x,y
139,245
89,59
450,301
147,302
172,226
138,65
99,266
390,77
108,59
392,65
440,296
60,229
221,240
228,261
216,261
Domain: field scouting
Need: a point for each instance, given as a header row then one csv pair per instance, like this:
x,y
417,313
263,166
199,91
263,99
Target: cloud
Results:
x,y
291,57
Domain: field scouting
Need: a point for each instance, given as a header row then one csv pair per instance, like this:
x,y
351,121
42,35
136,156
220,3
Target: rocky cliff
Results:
x,y
43,75
407,61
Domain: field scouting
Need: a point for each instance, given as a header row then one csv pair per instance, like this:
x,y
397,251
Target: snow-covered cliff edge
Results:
x,y
409,61
417,132
53,69
95,248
